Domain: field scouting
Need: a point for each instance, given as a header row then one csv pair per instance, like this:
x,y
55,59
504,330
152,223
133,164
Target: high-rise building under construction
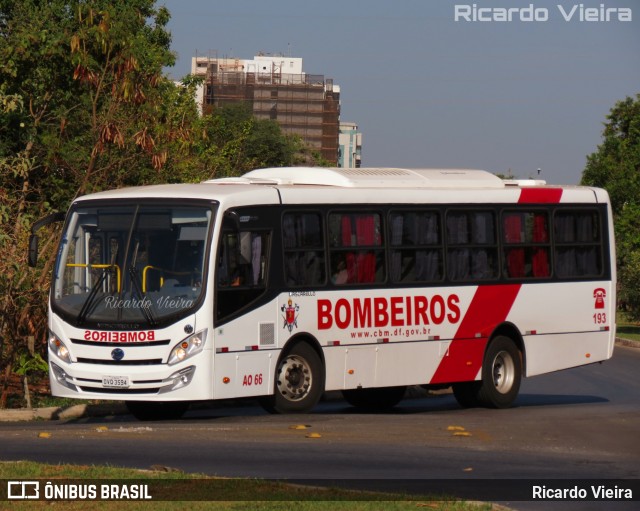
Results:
x,y
275,87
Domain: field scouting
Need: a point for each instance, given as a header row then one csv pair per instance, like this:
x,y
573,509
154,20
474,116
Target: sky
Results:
x,y
427,90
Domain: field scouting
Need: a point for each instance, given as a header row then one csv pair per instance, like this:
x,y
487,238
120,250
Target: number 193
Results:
x,y
600,318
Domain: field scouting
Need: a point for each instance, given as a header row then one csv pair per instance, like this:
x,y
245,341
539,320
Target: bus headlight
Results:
x,y
188,347
58,348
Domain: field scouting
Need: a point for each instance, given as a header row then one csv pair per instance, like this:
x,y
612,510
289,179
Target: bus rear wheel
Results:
x,y
466,393
501,374
376,399
299,381
501,377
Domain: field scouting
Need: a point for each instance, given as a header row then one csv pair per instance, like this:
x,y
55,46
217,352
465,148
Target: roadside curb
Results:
x,y
107,409
59,413
627,342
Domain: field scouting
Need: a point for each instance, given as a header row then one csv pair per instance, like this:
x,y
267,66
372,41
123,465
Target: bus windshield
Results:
x,y
122,266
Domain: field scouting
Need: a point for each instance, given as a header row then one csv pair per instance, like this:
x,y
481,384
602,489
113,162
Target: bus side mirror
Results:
x,y
33,250
232,219
32,256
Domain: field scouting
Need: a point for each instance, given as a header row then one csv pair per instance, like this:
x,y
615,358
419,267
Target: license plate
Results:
x,y
118,382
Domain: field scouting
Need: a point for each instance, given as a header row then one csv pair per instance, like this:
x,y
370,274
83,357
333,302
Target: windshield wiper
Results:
x,y
135,279
88,303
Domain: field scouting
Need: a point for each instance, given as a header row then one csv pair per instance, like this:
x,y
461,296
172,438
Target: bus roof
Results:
x,y
369,178
308,185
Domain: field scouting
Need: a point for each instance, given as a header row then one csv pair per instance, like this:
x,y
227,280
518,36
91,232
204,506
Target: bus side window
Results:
x,y
578,244
355,242
241,269
303,244
416,246
472,246
526,244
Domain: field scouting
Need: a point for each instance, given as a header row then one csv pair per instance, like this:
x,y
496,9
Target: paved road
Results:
x,y
577,424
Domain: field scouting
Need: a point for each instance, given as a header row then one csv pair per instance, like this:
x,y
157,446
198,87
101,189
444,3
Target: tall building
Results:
x,y
276,88
349,145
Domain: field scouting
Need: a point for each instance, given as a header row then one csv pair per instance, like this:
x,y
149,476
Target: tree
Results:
x,y
81,108
84,106
615,166
231,141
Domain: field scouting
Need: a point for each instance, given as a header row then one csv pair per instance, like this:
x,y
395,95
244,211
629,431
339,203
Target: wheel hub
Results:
x,y
294,379
503,372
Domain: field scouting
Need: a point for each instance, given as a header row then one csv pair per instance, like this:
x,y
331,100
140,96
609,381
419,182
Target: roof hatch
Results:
x,y
368,177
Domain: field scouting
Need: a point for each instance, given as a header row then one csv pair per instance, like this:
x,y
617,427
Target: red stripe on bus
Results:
x,y
488,308
540,195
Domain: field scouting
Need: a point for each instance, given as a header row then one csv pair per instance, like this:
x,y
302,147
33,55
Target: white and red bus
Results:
x,y
289,282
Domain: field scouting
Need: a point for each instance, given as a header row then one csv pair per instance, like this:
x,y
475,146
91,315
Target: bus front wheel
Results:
x,y
299,381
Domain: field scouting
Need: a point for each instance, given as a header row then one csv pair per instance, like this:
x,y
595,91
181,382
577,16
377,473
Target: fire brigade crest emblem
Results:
x,y
290,315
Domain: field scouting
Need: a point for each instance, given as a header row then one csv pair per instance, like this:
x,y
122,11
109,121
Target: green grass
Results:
x,y
627,329
255,495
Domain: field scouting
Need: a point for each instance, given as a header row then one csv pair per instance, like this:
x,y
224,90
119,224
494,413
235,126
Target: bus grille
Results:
x,y
100,390
148,362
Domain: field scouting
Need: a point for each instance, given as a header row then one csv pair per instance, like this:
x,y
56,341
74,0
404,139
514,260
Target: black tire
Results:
x,y
157,410
466,393
299,381
375,399
501,374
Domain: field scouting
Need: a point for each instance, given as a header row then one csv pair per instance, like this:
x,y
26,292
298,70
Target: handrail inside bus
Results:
x,y
162,276
99,266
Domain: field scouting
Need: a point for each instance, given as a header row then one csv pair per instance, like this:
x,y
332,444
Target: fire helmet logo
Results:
x,y
290,315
